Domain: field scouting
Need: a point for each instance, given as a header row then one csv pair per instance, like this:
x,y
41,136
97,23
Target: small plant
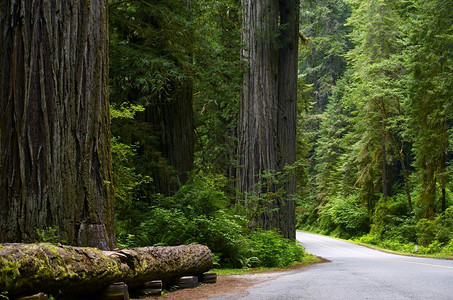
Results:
x,y
49,235
253,262
4,295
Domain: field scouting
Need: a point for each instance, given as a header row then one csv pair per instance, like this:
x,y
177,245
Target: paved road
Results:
x,y
357,272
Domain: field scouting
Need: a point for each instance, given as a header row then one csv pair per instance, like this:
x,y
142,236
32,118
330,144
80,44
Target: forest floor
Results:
x,y
226,284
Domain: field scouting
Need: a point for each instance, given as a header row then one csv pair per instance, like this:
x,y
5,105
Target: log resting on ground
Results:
x,y
32,268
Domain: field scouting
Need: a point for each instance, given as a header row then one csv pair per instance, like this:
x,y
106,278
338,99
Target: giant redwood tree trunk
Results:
x,y
268,106
55,153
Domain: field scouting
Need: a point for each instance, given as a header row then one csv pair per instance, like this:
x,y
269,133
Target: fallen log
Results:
x,y
30,268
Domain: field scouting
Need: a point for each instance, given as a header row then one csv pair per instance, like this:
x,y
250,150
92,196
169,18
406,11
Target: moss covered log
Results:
x,y
31,268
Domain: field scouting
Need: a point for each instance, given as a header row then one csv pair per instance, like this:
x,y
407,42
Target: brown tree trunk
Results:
x,y
384,164
443,177
31,268
267,111
55,154
172,123
287,109
405,177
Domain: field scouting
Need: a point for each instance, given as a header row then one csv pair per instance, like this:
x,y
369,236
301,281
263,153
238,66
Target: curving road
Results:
x,y
357,272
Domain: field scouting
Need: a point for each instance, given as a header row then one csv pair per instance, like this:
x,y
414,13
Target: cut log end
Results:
x,y
116,291
208,278
187,282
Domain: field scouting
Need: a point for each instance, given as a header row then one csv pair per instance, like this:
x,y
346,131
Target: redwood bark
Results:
x,y
287,109
171,121
31,268
267,120
55,153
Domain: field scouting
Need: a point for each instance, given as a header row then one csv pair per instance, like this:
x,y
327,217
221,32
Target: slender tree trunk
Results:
x,y
403,164
385,185
55,153
427,195
443,165
384,166
267,121
172,123
405,177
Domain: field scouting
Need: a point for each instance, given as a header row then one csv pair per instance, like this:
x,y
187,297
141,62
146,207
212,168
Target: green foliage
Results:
x,y
429,58
49,235
322,61
345,217
271,250
404,234
385,136
448,249
425,232
443,226
392,220
198,213
269,189
217,84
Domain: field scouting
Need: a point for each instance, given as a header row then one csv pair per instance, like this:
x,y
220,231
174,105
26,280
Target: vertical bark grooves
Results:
x,y
287,106
267,121
171,121
257,127
55,154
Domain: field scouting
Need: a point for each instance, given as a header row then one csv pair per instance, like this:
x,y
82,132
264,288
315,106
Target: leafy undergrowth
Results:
x,y
391,226
434,249
307,260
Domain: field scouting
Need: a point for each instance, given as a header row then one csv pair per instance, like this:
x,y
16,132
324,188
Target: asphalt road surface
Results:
x,y
357,272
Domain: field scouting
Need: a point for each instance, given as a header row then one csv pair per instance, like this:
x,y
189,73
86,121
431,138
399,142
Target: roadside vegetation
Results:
x,y
380,130
308,259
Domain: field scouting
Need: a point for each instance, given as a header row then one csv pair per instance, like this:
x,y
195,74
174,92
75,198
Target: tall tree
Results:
x,y
323,60
151,65
55,153
378,92
217,86
268,106
431,111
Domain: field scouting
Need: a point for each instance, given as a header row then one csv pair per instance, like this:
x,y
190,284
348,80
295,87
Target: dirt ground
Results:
x,y
224,285
237,284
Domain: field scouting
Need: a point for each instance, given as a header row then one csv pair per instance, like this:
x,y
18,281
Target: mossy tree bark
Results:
x,y
55,153
31,268
268,106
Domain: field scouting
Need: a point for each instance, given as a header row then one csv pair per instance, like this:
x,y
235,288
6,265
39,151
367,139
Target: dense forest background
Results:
x,y
380,133
374,130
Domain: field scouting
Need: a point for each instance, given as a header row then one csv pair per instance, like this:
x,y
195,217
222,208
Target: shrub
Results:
x,y
272,250
443,226
425,232
391,220
448,249
346,215
223,234
369,238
